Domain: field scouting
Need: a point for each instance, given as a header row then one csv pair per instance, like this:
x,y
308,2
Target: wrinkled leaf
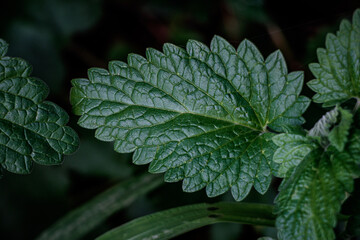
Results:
x,y
353,145
338,71
31,129
292,150
310,199
338,136
198,114
333,128
323,127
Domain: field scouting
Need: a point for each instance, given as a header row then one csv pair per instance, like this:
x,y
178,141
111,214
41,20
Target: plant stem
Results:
x,y
357,105
173,222
342,217
85,218
245,213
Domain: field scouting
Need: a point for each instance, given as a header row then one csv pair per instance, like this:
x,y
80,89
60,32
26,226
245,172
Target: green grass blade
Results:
x,y
85,218
173,222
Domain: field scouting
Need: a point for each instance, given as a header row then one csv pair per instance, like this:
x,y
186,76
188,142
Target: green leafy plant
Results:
x,y
216,117
32,130
227,119
197,114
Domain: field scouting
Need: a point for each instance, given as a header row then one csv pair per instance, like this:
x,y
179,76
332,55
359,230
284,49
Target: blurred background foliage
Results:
x,y
63,38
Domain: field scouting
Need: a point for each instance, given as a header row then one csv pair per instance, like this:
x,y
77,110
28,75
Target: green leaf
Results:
x,y
338,136
353,145
338,73
323,127
173,222
292,150
31,129
333,128
198,114
310,199
85,218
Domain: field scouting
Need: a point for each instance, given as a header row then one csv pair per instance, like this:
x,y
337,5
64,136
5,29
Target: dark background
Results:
x,y
62,39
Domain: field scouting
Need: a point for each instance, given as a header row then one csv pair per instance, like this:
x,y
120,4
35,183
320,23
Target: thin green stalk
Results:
x,y
173,222
244,213
357,105
85,218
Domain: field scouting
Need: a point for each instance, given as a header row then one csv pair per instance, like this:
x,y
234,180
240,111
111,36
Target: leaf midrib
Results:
x,y
30,130
177,112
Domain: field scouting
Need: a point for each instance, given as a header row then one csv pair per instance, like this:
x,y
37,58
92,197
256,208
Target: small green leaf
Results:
x,y
31,129
333,128
323,127
85,218
353,145
173,222
292,150
310,199
338,136
338,72
199,114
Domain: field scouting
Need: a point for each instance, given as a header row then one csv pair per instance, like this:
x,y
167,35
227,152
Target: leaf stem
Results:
x,y
85,218
357,105
342,217
173,222
244,213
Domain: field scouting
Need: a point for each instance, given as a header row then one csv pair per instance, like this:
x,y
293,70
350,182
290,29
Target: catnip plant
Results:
x,y
217,118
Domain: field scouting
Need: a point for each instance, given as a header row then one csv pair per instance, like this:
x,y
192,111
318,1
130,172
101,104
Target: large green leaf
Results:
x,y
338,71
310,199
198,114
31,129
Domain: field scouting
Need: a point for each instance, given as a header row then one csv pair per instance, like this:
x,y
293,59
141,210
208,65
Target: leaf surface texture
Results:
x,y
310,199
338,71
31,129
199,114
